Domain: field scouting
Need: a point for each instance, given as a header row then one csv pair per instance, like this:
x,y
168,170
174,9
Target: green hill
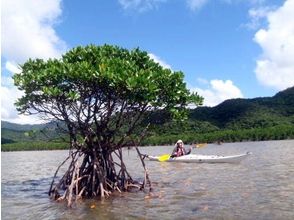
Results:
x,y
21,127
263,118
39,136
250,113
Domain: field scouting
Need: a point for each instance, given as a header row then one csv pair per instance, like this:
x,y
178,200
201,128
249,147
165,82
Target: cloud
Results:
x,y
257,16
27,29
7,106
218,91
12,67
159,61
275,66
202,81
145,5
140,5
27,32
6,81
196,4
193,5
9,94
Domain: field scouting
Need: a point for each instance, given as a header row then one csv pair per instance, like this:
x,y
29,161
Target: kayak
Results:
x,y
198,158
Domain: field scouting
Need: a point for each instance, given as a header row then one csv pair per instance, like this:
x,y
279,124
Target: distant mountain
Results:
x,y
21,127
249,113
12,132
232,114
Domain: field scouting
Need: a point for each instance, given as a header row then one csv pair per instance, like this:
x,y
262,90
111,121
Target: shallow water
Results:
x,y
260,187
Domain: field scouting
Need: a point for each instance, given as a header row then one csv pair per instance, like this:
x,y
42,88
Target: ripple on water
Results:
x,y
260,187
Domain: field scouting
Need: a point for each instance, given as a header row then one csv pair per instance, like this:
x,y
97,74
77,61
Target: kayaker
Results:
x,y
180,150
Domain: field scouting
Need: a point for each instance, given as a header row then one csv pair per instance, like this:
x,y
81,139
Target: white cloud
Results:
x,y
7,105
140,5
12,67
145,5
9,96
196,4
27,29
193,5
257,16
275,67
6,81
27,32
202,81
218,92
159,61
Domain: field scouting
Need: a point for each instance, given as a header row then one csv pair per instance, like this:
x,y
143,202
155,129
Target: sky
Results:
x,y
226,48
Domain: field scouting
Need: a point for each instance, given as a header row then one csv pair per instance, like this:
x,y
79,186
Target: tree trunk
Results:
x,y
91,174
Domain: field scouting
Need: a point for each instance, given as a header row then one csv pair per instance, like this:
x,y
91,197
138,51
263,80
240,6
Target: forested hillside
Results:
x,y
16,133
250,113
264,118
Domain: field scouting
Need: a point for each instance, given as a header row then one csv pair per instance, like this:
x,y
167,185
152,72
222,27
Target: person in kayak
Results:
x,y
179,150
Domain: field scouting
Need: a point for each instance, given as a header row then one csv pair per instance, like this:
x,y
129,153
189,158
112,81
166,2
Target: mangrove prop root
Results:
x,y
146,176
91,174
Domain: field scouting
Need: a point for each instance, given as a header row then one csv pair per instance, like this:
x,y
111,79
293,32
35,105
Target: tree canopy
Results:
x,y
106,86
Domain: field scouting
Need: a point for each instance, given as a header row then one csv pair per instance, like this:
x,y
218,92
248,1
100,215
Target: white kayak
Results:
x,y
198,158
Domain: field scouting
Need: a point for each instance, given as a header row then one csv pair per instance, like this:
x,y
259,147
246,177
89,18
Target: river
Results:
x,y
259,187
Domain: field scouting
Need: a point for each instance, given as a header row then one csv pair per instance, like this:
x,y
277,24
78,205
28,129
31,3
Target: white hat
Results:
x,y
179,141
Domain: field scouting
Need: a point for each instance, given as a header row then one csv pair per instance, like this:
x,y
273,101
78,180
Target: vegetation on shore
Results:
x,y
34,145
279,132
258,119
235,120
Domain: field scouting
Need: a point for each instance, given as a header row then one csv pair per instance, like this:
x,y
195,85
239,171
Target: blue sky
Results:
x,y
226,48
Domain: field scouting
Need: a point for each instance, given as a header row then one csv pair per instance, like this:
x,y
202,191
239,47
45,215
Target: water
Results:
x,y
260,187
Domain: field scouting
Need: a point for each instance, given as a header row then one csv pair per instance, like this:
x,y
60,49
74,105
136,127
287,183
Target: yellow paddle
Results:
x,y
164,157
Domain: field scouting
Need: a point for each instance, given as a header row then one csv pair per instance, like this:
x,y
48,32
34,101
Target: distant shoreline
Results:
x,y
48,146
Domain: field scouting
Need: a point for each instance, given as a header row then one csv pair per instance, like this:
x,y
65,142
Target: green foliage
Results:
x,y
110,70
37,134
101,92
258,134
36,145
233,120
249,113
6,141
279,132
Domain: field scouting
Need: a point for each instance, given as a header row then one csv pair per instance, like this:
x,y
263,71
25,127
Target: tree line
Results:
x,y
279,132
